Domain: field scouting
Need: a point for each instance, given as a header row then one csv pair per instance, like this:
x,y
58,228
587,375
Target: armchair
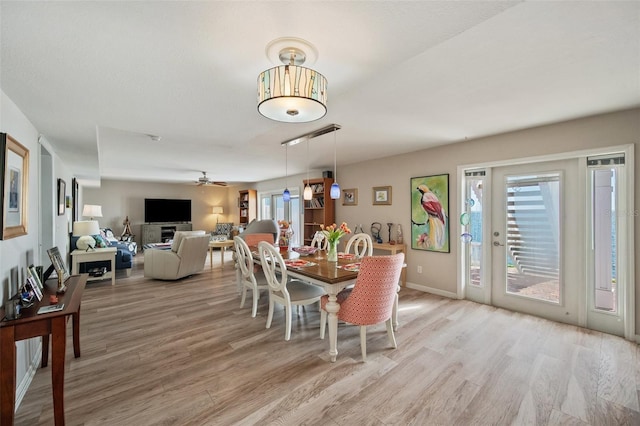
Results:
x,y
223,231
187,256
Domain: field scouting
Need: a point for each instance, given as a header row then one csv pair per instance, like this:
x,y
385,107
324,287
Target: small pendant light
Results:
x,y
286,195
308,193
335,188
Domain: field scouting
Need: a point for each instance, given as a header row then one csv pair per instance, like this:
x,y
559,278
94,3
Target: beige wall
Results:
x,y
120,198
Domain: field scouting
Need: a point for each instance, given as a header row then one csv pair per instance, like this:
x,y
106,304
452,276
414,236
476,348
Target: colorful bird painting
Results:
x,y
437,219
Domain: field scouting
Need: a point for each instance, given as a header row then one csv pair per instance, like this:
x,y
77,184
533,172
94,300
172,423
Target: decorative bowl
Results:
x,y
305,250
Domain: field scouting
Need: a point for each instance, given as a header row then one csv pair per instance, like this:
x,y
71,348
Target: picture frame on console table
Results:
x,y
14,178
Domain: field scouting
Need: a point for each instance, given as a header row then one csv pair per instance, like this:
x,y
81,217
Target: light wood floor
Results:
x,y
184,353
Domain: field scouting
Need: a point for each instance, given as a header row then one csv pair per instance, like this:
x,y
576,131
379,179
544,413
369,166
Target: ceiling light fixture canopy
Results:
x,y
313,134
291,93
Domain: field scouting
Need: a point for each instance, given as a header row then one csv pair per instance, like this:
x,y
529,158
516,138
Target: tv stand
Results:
x,y
153,233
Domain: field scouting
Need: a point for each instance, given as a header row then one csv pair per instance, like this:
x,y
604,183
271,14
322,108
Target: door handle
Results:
x,y
497,244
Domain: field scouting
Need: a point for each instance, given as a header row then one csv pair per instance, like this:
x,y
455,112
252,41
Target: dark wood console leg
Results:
x,y
45,350
58,348
76,333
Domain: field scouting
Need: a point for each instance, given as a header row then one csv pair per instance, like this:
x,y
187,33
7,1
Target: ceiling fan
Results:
x,y
204,180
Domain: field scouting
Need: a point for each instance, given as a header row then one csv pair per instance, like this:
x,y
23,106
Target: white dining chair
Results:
x,y
251,277
283,290
320,241
362,245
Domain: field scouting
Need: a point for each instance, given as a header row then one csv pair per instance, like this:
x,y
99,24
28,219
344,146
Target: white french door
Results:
x,y
552,238
536,238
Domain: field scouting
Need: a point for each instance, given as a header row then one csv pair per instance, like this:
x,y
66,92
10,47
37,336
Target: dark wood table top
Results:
x,y
71,299
328,272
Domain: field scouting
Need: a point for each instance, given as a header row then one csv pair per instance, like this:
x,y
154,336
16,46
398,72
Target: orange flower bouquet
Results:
x,y
333,233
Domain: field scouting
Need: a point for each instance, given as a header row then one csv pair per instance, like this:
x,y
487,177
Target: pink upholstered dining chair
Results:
x,y
252,240
372,298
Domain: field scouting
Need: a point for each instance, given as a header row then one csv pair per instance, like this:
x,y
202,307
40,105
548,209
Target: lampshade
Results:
x,y
217,210
286,195
335,191
308,193
291,93
85,229
92,210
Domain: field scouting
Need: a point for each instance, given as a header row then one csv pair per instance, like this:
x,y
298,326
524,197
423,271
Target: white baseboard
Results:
x,y
431,290
23,386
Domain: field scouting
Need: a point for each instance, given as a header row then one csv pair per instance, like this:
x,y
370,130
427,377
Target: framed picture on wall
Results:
x,y
430,213
350,197
74,200
14,178
62,187
381,195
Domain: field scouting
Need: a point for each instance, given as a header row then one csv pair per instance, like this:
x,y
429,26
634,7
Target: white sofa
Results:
x,y
187,256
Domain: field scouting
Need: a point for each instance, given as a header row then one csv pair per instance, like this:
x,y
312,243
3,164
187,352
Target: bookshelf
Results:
x,y
248,205
320,209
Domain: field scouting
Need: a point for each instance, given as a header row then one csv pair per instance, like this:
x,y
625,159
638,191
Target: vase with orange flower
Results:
x,y
333,233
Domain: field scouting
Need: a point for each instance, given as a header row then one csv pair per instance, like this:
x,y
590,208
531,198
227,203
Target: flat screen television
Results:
x,y
164,210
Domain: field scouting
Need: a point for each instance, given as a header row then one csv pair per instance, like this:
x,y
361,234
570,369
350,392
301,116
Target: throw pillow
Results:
x,y
100,242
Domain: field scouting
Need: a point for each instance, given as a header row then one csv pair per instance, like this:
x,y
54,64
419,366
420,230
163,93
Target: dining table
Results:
x,y
331,276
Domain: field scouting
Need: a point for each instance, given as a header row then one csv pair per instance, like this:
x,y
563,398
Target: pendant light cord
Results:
x,y
335,169
307,162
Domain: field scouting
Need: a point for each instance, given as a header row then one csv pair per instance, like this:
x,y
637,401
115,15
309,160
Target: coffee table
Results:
x,y
222,245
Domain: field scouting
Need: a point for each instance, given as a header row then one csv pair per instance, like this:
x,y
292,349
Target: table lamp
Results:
x,y
91,211
85,229
217,210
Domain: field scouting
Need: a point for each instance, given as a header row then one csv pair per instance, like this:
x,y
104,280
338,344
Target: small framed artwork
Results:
x,y
35,288
14,178
381,195
33,273
62,187
430,213
57,263
350,197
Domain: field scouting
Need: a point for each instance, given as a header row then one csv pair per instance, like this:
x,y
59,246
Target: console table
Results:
x,y
31,325
106,254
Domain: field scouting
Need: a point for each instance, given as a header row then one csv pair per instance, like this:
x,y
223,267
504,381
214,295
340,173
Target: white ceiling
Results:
x,y
95,78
